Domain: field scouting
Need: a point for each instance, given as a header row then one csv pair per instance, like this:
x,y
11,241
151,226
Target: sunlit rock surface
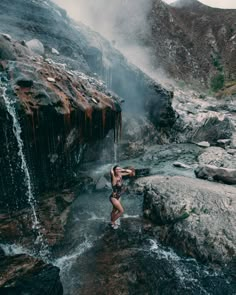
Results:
x,y
210,172
198,217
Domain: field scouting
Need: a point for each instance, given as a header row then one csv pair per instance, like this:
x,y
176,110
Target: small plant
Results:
x,y
217,82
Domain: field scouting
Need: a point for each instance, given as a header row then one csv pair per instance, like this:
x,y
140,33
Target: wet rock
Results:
x,y
36,46
102,183
83,49
204,144
210,172
21,274
54,51
52,211
185,208
7,36
24,82
56,120
181,165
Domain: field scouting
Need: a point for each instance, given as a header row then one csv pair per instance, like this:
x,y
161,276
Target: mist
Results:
x,y
124,23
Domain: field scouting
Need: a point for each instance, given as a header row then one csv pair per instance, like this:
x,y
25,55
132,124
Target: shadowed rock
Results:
x,y
55,120
211,172
22,274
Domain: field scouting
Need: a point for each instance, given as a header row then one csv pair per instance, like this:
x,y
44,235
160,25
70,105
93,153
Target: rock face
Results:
x,y
194,42
197,217
211,172
83,49
21,274
201,120
217,156
52,211
49,121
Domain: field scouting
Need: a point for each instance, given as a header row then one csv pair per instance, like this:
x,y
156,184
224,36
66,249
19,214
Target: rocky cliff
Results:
x,y
194,42
47,115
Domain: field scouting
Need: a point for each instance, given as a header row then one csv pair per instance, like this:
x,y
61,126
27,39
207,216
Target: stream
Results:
x,y
95,259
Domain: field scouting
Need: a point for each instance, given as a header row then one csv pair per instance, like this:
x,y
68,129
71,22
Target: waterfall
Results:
x,y
10,105
115,152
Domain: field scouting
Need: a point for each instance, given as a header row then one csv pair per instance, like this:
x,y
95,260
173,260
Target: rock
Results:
x,y
102,183
1,253
7,36
54,122
211,127
233,142
181,165
217,156
211,172
204,144
223,142
24,82
51,79
204,126
197,217
231,151
36,46
54,51
52,212
22,274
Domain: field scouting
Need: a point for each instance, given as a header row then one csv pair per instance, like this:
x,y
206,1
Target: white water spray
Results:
x,y
10,105
115,152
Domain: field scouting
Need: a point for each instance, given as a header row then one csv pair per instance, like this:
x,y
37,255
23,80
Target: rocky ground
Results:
x,y
162,141
22,274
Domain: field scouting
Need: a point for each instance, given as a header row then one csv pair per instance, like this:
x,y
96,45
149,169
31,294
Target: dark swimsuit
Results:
x,y
118,189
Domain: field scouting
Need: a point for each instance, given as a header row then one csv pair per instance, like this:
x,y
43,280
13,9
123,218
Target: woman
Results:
x,y
117,190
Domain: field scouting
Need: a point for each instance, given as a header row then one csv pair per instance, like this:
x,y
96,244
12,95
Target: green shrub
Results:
x,y
217,82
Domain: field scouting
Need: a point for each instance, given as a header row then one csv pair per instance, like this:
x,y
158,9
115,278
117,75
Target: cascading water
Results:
x,y
115,152
10,105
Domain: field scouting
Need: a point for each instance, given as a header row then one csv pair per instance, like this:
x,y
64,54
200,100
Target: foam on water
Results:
x,y
14,249
10,105
66,262
186,269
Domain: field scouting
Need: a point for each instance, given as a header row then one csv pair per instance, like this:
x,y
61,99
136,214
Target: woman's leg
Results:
x,y
119,210
113,212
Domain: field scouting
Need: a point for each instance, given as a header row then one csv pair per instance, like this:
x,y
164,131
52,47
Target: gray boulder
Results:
x,y
218,157
36,46
211,172
196,216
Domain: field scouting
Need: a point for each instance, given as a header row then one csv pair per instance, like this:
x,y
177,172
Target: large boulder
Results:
x,y
196,216
204,126
217,156
36,46
22,274
211,172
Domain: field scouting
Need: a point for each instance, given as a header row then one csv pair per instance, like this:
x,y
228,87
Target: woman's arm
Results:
x,y
125,172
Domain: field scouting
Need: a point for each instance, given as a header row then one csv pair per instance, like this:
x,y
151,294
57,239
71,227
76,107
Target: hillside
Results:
x,y
194,42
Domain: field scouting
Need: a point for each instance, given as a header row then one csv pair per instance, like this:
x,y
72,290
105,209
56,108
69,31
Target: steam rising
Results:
x,y
123,22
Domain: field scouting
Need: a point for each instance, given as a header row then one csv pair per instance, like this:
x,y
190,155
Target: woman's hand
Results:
x,y
130,172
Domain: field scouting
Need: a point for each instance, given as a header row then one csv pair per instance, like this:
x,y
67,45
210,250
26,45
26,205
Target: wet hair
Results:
x,y
114,168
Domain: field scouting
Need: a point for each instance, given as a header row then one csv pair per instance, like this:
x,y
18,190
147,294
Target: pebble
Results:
x,y
204,144
181,165
51,79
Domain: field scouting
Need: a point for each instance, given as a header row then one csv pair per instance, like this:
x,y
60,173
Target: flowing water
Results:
x,y
16,128
95,259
